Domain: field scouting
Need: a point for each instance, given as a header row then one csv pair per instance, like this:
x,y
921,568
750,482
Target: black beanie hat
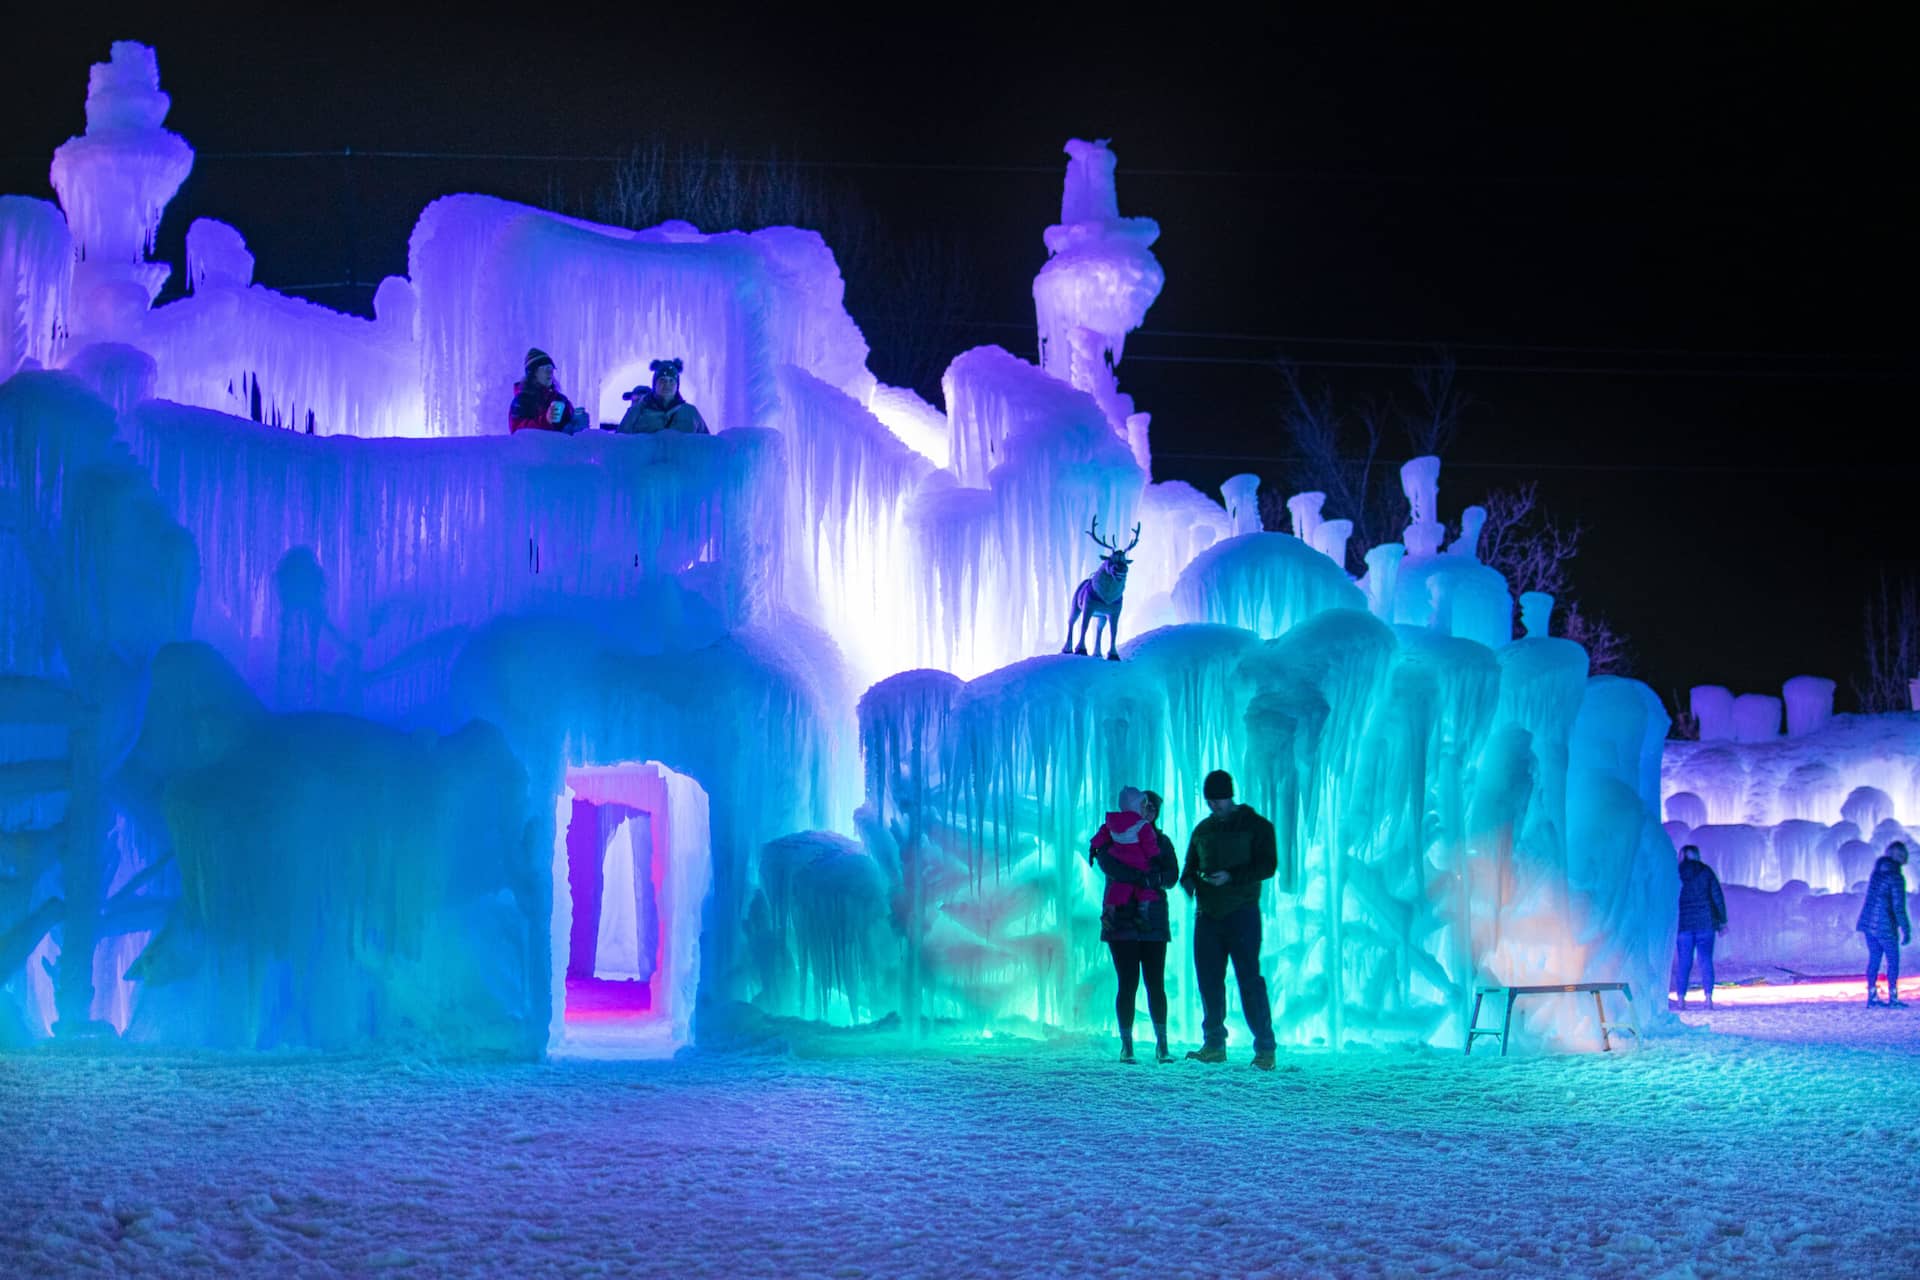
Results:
x,y
536,357
1219,785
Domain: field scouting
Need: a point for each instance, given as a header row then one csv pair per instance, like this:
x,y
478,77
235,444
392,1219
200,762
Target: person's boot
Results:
x,y
1160,1053
1893,998
1126,1047
1873,993
1208,1053
1264,1060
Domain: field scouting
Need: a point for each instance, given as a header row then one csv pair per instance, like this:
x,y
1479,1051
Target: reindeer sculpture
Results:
x,y
1100,596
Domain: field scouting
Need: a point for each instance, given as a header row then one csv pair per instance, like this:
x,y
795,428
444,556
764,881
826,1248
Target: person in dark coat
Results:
x,y
538,404
1139,865
1703,915
661,408
1882,916
1232,851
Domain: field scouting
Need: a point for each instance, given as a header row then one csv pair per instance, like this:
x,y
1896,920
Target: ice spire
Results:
x,y
1096,286
114,182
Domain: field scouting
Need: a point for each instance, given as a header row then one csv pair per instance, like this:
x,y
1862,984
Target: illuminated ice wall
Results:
x,y
1791,817
308,668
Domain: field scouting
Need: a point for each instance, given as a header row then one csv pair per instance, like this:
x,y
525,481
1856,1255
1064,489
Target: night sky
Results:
x,y
1672,255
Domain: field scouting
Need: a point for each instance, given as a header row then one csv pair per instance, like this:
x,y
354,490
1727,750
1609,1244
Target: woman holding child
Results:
x,y
1139,864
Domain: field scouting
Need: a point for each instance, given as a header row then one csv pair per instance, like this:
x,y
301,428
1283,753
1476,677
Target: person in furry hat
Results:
x,y
661,408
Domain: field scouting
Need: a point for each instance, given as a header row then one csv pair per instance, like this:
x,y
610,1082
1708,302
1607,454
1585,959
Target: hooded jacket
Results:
x,y
1884,914
1138,862
1240,844
1703,908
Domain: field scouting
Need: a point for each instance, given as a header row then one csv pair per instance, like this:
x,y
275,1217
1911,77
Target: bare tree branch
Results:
x,y
1891,632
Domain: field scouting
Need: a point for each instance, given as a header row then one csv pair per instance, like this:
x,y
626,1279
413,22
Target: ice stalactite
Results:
x,y
398,905
849,484
495,278
36,276
1527,934
1265,582
1177,523
1621,873
748,716
415,537
242,349
1051,465
917,424
827,902
115,180
904,741
1318,687
111,578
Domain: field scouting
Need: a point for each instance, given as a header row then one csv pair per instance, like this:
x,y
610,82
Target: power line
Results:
x,y
1851,180
1451,464
1450,344
1652,371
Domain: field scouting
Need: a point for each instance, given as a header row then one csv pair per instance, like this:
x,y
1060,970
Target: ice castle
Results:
x,y
333,717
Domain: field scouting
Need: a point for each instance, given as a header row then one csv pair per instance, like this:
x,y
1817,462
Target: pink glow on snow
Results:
x,y
1819,990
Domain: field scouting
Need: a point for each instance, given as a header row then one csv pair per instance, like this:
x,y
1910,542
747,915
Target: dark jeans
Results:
x,y
1890,948
1131,962
1216,940
1691,941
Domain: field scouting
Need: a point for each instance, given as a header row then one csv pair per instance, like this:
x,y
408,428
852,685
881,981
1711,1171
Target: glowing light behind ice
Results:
x,y
338,816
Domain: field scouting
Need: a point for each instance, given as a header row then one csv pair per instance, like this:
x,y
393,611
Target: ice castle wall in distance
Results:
x,y
333,716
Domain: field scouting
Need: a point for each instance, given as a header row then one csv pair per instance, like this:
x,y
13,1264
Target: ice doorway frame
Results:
x,y
682,861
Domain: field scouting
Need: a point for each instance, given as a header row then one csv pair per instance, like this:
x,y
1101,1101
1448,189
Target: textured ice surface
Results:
x,y
1796,823
304,655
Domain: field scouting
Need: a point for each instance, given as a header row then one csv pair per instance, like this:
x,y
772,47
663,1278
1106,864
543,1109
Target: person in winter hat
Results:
x,y
1139,865
1232,851
1883,915
661,408
537,402
1703,914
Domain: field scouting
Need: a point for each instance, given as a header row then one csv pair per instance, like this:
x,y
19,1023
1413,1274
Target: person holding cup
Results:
x,y
538,404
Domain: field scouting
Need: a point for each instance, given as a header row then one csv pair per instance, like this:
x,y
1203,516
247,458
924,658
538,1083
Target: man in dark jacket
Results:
x,y
1703,914
1231,852
537,402
662,409
1883,915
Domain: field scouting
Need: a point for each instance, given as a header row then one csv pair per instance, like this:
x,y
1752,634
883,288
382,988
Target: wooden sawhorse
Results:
x,y
1607,1029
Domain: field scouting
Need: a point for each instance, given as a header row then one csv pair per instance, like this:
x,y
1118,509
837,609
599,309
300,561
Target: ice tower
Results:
x,y
114,182
1096,286
473,742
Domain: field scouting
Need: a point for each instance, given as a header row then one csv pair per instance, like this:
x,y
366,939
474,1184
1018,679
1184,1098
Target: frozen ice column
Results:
x,y
1242,494
114,182
1809,704
1096,286
1420,481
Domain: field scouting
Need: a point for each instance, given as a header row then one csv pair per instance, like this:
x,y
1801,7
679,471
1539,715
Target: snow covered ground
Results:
x,y
1779,1141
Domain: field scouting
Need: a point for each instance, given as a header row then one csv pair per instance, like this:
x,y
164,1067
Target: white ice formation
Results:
x,y
1791,823
306,665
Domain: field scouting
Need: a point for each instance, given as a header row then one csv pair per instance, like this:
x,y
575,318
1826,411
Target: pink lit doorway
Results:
x,y
632,864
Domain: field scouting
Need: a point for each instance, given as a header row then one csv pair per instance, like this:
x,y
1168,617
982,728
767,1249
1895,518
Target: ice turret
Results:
x,y
1099,280
1242,495
114,182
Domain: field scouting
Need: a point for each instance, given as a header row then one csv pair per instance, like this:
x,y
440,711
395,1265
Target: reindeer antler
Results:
x,y
1093,531
1136,541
